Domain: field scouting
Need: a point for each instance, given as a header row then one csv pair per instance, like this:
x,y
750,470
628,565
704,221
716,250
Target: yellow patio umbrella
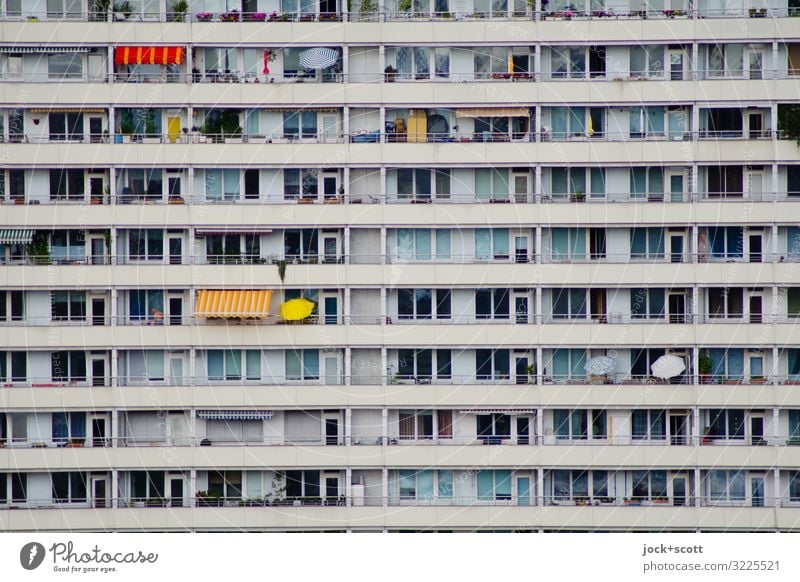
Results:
x,y
296,309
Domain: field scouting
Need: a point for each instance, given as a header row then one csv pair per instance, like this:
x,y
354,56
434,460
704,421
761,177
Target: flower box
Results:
x,y
255,17
204,16
232,16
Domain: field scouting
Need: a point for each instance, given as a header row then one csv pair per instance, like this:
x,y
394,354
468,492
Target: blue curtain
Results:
x,y
60,430
485,485
445,488
502,484
425,484
311,364
77,424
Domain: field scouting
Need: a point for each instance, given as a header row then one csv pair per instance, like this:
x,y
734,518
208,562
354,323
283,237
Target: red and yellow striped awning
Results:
x,y
234,304
148,55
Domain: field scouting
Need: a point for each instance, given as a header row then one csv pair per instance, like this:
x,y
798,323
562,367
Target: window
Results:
x,y
579,424
578,484
492,364
299,124
492,304
16,363
494,485
252,186
227,248
725,485
423,304
12,305
725,181
65,66
420,365
491,184
568,122
302,364
793,180
726,60
301,244
725,302
69,487
648,425
422,184
647,183
16,184
67,246
18,487
647,61
415,424
416,244
792,301
301,484
68,305
65,126
141,304
415,484
145,244
568,364
571,182
794,486
224,365
646,122
567,62
491,243
228,484
568,244
725,424
491,62
727,363
68,425
66,185
724,241
648,303
148,485
648,485
493,428
569,303
643,359
140,184
792,242
414,62
300,184
222,184
68,366
146,366
647,243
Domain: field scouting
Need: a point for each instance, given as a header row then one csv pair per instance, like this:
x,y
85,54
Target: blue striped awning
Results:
x,y
235,414
9,236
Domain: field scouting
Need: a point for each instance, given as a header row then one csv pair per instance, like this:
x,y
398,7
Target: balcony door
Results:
x,y
98,485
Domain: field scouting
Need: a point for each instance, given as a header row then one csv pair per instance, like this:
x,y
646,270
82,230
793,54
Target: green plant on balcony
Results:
x,y
124,8
368,7
39,248
789,121
704,363
179,10
281,263
404,6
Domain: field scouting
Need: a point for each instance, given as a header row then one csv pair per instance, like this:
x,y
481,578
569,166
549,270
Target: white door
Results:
x,y
331,370
329,128
175,426
755,185
176,370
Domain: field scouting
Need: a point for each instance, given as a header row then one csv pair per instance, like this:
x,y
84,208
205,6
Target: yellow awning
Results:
x,y
493,112
296,309
238,304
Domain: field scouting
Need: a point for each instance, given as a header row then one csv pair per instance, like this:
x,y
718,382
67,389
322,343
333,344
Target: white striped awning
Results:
x,y
46,50
235,414
10,236
198,232
509,411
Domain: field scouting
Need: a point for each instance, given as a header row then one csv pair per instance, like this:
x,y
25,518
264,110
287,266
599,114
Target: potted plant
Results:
x,y
204,16
39,248
390,73
100,10
531,370
208,499
404,6
178,11
255,16
704,365
229,16
579,196
123,10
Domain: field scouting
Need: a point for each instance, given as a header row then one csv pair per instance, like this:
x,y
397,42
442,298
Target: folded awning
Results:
x,y
46,50
235,414
236,304
239,230
509,411
148,55
68,110
10,236
493,112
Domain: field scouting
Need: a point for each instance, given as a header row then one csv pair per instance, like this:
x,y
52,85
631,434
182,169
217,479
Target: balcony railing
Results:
x,y
398,440
617,502
532,13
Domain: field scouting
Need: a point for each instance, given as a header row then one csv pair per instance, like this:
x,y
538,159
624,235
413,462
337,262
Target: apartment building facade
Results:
x,y
504,217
